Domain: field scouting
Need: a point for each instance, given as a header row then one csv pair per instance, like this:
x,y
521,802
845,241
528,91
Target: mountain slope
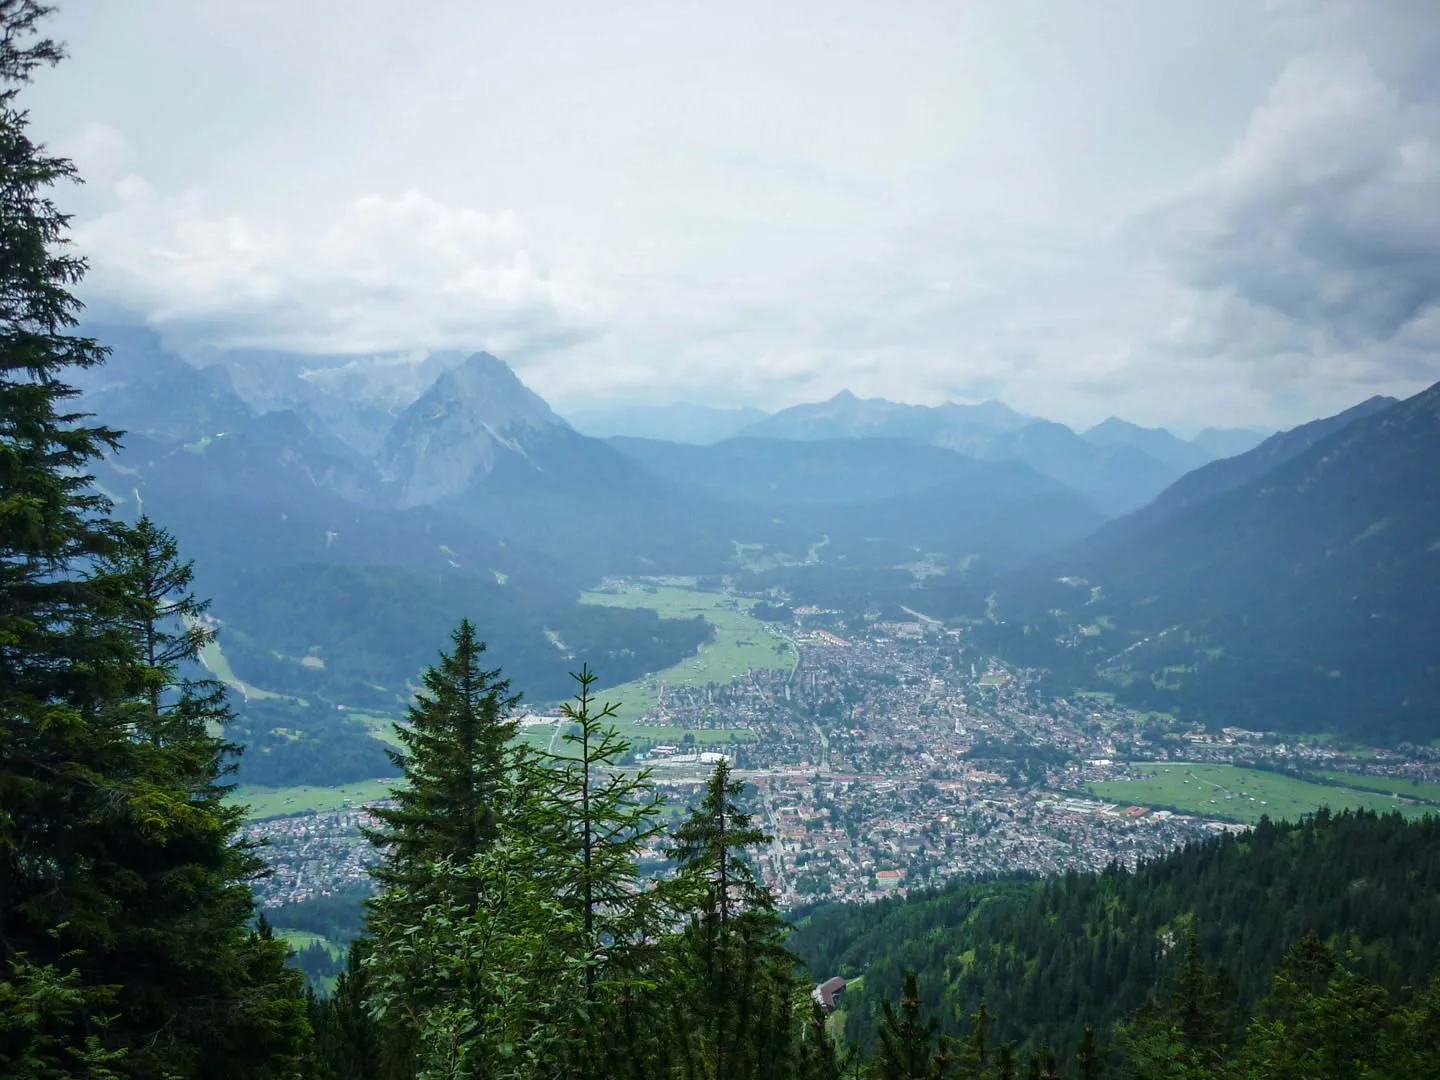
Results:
x,y
1049,957
879,501
1226,474
1305,599
1228,442
472,418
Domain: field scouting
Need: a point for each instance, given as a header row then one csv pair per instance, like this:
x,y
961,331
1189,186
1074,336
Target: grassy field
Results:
x,y
214,662
303,939
305,799
382,727
1237,794
1410,789
741,642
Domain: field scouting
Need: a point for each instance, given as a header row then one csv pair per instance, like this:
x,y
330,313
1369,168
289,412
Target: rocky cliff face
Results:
x,y
473,418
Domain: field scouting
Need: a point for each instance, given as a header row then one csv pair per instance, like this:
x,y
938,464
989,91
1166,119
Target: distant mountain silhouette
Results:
x,y
1114,477
680,422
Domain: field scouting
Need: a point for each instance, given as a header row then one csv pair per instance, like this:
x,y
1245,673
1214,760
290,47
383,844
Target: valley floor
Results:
x,y
892,755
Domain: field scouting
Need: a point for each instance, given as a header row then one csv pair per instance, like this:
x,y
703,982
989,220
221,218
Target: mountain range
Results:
x,y
1289,585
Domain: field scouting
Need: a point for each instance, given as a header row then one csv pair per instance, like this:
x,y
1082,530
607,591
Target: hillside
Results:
x,y
1047,957
1306,598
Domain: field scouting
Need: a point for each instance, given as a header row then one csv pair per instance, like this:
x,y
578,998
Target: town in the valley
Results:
x,y
893,756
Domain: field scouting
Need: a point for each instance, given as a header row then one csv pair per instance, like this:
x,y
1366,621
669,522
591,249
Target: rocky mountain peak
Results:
x,y
484,389
475,415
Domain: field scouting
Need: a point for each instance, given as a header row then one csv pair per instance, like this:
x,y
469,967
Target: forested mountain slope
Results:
x,y
1048,957
1305,599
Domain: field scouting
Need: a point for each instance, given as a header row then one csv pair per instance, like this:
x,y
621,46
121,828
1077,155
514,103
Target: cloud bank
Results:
x,y
1204,212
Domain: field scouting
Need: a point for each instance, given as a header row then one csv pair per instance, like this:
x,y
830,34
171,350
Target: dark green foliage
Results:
x,y
910,1048
369,627
1048,957
337,917
454,764
347,1038
124,903
287,742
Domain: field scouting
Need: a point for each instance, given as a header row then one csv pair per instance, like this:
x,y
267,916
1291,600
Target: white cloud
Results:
x,y
100,153
380,275
759,204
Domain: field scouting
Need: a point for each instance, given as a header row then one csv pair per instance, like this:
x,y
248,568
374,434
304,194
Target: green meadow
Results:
x,y
267,802
741,642
1234,793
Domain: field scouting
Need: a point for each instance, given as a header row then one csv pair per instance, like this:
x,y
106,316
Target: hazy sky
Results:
x,y
1180,211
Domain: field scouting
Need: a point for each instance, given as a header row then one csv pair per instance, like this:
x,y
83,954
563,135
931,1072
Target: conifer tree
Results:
x,y
910,1045
123,899
588,820
347,1039
1087,1057
737,973
452,797
818,1057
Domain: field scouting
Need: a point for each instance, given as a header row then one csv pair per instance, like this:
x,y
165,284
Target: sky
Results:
x,y
1195,212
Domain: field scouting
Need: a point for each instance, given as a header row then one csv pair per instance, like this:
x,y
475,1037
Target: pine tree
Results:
x,y
736,971
204,992
1087,1057
347,1039
819,1058
452,797
61,769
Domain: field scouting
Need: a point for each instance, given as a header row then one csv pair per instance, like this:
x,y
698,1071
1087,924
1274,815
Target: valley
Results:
x,y
890,755
936,643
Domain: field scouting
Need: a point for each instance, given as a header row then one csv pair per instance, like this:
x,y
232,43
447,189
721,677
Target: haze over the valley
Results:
x,y
1194,214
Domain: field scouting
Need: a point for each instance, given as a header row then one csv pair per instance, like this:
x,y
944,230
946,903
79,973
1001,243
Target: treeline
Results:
x,y
290,742
361,634
1319,1020
1049,957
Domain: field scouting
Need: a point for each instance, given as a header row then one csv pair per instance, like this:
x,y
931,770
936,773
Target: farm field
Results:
x,y
741,642
1238,794
1409,789
307,798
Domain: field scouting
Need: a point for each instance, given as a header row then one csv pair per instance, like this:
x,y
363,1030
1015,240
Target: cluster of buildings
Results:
x,y
892,756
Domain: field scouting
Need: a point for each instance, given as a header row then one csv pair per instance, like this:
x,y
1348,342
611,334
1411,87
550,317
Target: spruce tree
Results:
x,y
588,820
910,1045
452,798
124,903
218,994
736,972
63,768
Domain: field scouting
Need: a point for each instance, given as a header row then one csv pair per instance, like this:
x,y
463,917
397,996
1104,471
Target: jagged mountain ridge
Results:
x,y
458,430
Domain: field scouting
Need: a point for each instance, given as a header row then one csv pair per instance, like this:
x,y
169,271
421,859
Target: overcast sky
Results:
x,y
1180,211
